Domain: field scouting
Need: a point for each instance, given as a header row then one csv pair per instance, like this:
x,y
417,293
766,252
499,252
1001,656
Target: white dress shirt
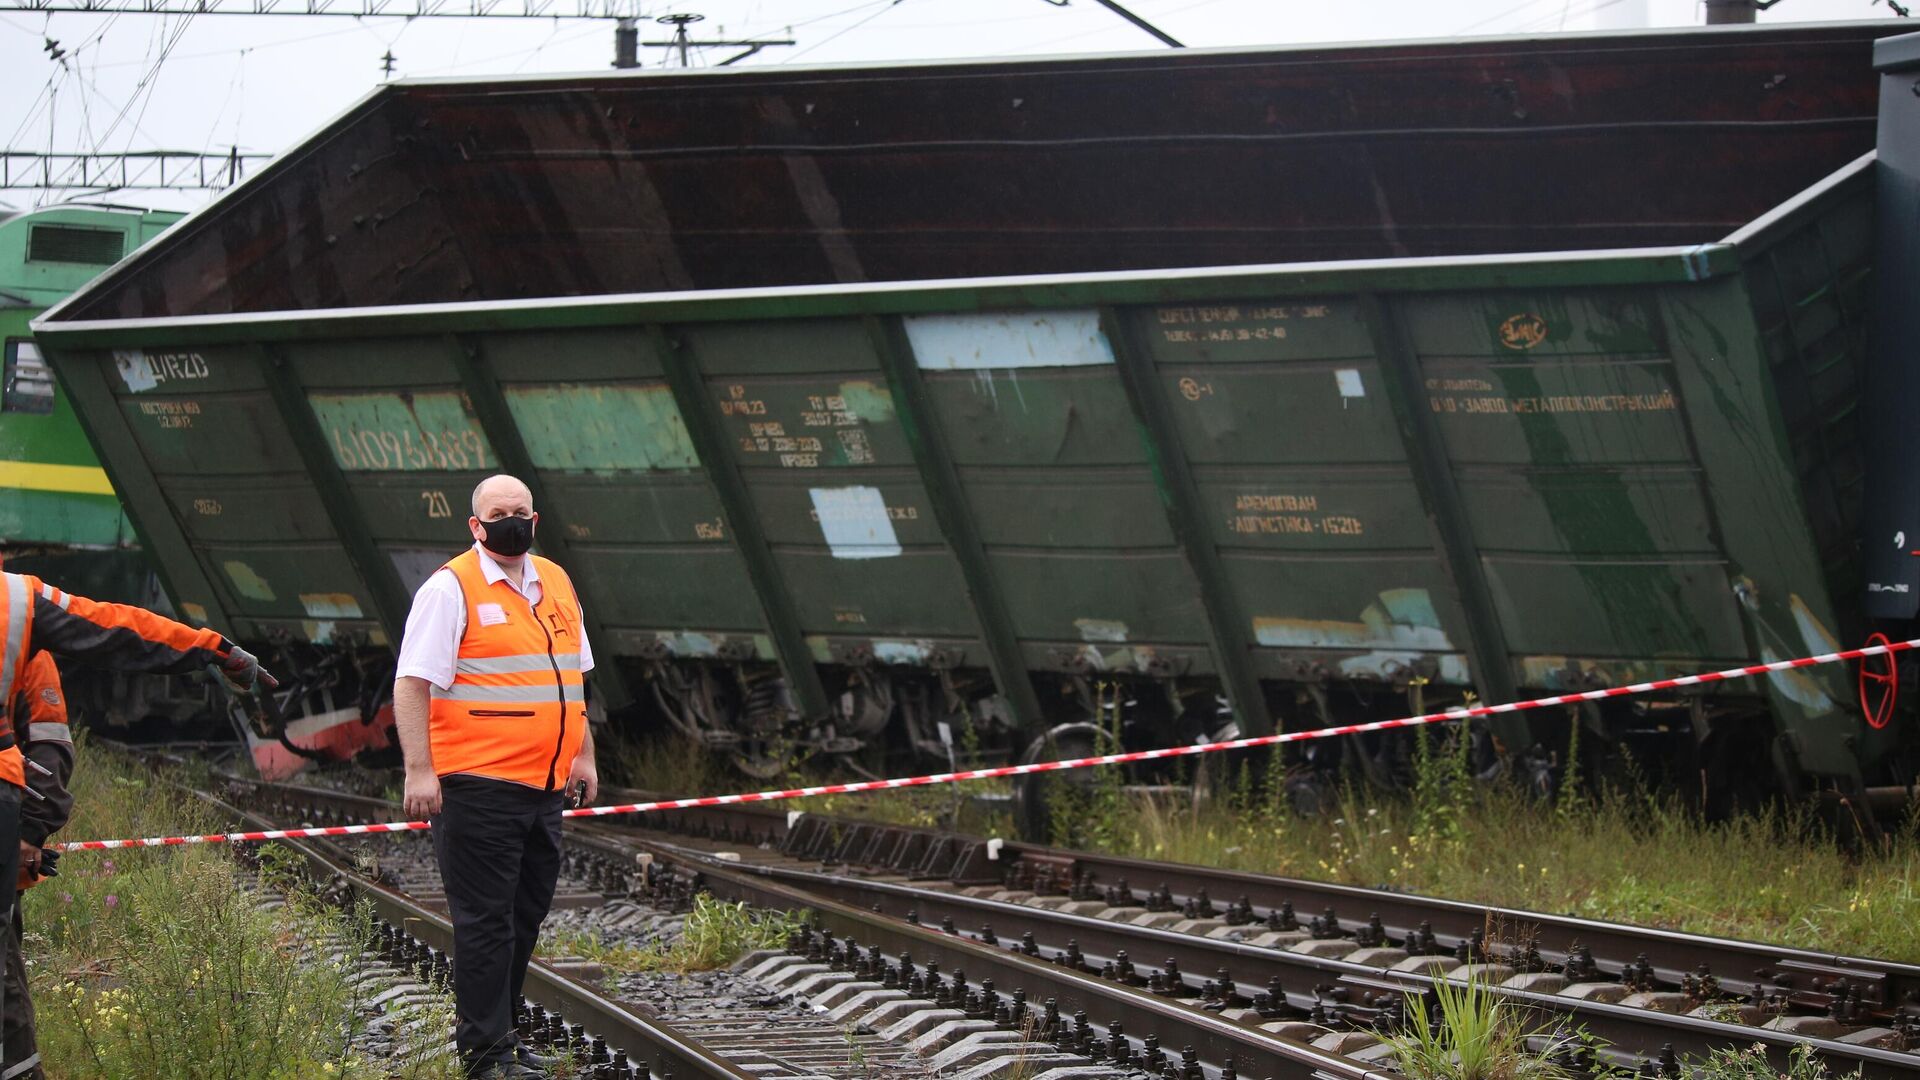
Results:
x,y
431,645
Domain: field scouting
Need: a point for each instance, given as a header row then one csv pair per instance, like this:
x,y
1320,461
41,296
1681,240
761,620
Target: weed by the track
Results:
x,y
1773,877
1477,1037
159,963
715,934
857,1061
1750,1063
1629,857
718,932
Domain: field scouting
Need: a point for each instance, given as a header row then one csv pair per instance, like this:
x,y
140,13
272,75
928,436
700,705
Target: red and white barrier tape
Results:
x,y
1460,713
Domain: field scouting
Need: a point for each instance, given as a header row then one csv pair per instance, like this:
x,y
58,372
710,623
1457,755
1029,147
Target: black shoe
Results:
x,y
528,1059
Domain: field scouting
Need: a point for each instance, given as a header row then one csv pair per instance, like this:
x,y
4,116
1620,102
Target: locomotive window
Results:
x,y
29,382
75,244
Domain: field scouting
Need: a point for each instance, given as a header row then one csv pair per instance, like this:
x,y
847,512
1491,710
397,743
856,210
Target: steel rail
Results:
x,y
1740,966
1808,978
1219,1042
653,1041
1640,1033
1634,1032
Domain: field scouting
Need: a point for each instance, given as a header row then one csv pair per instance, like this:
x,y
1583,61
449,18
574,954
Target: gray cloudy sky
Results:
x,y
262,83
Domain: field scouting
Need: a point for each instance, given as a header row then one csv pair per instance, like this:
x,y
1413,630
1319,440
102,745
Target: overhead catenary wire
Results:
x,y
33,109
234,84
1493,19
275,44
153,80
1108,27
80,55
142,94
1592,7
836,35
515,54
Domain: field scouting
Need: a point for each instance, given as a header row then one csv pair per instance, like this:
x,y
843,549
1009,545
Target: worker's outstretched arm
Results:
x,y
131,638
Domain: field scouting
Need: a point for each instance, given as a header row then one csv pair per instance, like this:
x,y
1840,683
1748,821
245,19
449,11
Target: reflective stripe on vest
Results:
x,y
47,731
19,593
516,708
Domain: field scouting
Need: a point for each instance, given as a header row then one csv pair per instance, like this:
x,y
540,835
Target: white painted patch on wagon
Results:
x,y
1012,339
855,523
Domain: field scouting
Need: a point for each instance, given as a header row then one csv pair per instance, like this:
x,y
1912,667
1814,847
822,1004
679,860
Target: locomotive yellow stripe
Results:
x,y
39,476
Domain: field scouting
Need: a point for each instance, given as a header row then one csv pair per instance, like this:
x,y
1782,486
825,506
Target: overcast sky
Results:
x,y
262,83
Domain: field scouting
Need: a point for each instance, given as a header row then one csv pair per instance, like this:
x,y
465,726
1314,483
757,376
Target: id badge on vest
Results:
x,y
561,623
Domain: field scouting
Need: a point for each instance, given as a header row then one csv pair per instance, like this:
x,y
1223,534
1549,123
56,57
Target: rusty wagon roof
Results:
x,y
434,192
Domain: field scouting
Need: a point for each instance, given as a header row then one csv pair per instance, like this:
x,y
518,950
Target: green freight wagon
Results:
x,y
874,406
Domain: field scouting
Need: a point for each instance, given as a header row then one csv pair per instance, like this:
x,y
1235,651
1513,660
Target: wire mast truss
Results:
x,y
412,9
138,170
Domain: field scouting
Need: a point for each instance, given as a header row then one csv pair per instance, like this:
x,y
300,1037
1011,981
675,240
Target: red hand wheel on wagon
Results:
x,y
1879,684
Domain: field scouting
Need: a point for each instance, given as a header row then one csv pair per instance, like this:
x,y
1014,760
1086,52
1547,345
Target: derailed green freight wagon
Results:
x,y
1514,365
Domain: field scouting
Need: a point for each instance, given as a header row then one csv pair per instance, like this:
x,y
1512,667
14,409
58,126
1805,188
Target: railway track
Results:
x,y
617,1043
1241,905
827,1006
1334,980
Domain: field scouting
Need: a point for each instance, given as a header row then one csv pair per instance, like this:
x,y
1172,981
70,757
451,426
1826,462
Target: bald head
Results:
x,y
501,496
497,500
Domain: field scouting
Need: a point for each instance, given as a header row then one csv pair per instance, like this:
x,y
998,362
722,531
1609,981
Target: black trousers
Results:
x,y
17,1057
498,845
22,1050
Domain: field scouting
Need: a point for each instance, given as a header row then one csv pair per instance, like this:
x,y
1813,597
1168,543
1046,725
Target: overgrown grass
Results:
x,y
716,934
1773,878
1750,1063
1629,857
1477,1037
158,963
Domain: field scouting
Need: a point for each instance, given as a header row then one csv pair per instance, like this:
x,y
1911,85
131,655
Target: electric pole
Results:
x,y
680,38
627,43
1736,12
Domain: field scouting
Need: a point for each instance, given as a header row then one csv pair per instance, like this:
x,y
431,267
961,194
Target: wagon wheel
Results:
x,y
762,759
1034,793
1879,685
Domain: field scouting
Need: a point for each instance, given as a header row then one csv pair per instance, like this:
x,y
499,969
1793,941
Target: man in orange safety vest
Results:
x,y
39,619
39,716
490,704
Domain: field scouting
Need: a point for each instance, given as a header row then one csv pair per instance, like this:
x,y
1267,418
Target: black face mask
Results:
x,y
508,536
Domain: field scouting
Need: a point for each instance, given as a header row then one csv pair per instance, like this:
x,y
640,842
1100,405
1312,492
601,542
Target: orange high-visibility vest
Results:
x,y
517,708
16,615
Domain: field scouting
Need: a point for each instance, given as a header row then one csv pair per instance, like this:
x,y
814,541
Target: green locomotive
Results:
x,y
54,496
60,518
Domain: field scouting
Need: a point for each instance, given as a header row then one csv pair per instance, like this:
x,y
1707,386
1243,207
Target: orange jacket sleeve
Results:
x,y
118,635
40,719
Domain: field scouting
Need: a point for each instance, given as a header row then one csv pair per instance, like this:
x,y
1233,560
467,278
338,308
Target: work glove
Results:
x,y
36,865
241,671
